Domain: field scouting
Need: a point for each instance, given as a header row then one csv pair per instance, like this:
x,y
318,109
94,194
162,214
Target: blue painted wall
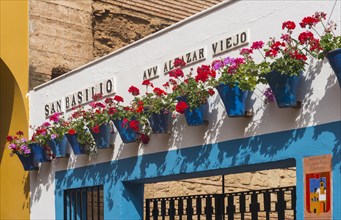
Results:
x,y
123,179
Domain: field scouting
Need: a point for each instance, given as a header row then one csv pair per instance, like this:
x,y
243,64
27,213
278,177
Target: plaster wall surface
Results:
x,y
319,91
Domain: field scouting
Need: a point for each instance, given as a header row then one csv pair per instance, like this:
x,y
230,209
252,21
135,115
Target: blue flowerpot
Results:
x,y
128,135
159,122
334,58
284,88
39,153
58,146
28,162
102,138
194,116
234,100
76,146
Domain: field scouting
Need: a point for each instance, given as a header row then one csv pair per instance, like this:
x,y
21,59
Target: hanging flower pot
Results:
x,y
128,135
284,88
194,116
159,121
234,100
39,153
28,161
76,146
334,58
58,146
101,134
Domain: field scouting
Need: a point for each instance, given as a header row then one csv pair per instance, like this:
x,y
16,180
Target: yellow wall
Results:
x,y
14,188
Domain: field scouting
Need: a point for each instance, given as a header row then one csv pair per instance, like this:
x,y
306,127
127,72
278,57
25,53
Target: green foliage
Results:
x,y
288,65
196,92
328,43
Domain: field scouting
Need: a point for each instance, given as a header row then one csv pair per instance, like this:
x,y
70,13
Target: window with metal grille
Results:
x,y
84,203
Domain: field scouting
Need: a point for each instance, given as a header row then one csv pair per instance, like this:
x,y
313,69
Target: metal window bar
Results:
x,y
271,203
84,203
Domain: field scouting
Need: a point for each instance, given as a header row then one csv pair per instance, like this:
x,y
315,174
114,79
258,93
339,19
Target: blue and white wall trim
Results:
x,y
272,138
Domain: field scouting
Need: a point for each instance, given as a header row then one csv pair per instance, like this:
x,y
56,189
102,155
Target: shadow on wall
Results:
x,y
177,162
211,159
6,102
12,107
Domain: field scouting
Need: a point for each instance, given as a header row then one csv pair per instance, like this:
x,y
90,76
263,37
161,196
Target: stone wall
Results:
x,y
233,183
71,33
60,33
119,23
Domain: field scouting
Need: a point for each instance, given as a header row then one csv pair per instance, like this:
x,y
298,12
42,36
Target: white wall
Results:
x,y
319,89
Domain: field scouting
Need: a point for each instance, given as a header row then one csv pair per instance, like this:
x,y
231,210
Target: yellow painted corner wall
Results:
x,y
14,188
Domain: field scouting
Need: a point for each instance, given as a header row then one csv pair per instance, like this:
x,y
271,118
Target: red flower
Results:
x,y
134,125
298,56
99,104
271,53
54,117
201,77
118,98
19,133
144,138
166,85
147,83
112,111
211,92
290,25
310,21
176,73
97,96
71,131
159,92
95,129
124,122
257,45
108,100
315,45
181,107
304,37
9,138
172,81
246,51
139,108
179,63
134,91
127,108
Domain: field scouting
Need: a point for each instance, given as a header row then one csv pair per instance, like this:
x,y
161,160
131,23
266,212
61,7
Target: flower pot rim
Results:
x,y
334,51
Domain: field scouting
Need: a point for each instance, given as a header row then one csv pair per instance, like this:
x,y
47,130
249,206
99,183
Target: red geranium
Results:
x,y
112,110
97,96
257,45
95,129
179,63
20,133
134,125
181,107
305,37
118,98
134,91
71,131
159,92
310,21
9,138
176,73
144,138
147,83
211,92
290,25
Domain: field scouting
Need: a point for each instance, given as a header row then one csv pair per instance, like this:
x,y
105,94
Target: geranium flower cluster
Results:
x,y
18,144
